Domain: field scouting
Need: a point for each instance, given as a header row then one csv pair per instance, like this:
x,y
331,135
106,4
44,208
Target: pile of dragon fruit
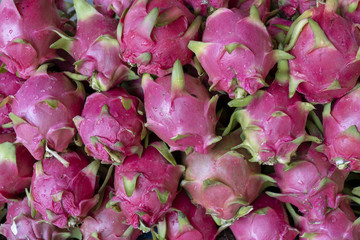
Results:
x,y
180,120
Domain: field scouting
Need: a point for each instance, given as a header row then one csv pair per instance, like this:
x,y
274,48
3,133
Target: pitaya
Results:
x,y
111,125
16,165
42,112
223,181
292,7
236,51
310,183
156,33
350,9
245,5
187,221
20,224
26,34
169,101
95,48
146,186
106,223
204,6
341,131
325,47
63,195
278,28
268,221
109,7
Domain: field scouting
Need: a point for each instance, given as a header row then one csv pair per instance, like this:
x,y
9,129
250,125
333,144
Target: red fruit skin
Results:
x,y
349,11
262,6
201,7
111,7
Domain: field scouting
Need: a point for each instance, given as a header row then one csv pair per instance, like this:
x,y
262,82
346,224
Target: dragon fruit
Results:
x,y
350,10
27,34
16,168
169,100
262,5
42,112
187,221
106,223
146,186
223,181
238,55
204,6
111,7
95,48
156,33
20,224
291,7
58,192
341,131
268,221
113,110
310,183
278,28
320,38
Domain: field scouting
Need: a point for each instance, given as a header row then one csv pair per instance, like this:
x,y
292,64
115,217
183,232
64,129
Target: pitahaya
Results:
x,y
156,33
111,7
341,131
293,7
42,112
223,181
63,195
146,186
106,223
326,51
169,101
27,34
111,125
16,165
236,51
245,5
268,221
95,48
204,6
187,221
310,183
278,28
20,224
350,9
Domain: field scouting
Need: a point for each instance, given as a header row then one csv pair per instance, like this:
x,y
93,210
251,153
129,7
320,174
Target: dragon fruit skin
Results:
x,y
62,195
15,168
202,7
146,186
191,222
116,110
21,225
107,223
350,10
168,101
42,112
27,34
275,32
323,38
268,218
109,7
262,5
156,33
291,7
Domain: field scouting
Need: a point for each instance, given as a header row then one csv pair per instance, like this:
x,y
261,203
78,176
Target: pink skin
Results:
x,y
290,7
14,176
156,173
107,223
40,120
345,6
21,20
166,44
339,143
201,6
126,125
168,116
109,7
58,192
263,6
275,32
268,221
200,226
311,66
21,225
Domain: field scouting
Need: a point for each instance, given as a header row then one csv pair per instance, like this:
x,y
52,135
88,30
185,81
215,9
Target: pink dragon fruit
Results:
x,y
187,221
341,131
169,100
278,28
106,223
117,111
155,34
27,34
310,183
268,221
204,6
111,7
223,181
350,10
291,7
42,112
15,168
95,48
320,38
238,55
63,195
245,5
146,186
20,224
